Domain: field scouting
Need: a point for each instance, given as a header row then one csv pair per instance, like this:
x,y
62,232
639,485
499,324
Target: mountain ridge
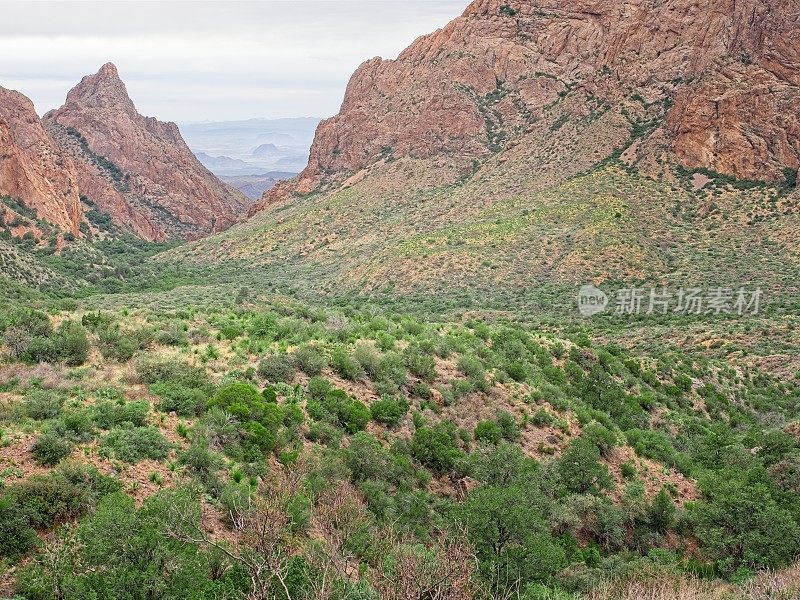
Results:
x,y
150,181
98,151
713,81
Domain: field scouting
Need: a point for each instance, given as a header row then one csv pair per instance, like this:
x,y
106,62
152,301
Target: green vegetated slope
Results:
x,y
479,238
258,446
385,391
505,241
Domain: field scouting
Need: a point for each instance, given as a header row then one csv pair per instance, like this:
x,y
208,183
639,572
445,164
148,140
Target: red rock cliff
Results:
x,y
139,169
727,73
32,167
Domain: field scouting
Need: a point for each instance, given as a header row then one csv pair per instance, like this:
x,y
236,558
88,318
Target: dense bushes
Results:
x,y
532,528
133,444
42,501
121,551
389,410
30,337
277,368
744,523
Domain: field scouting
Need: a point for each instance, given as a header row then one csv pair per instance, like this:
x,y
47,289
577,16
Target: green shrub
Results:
x,y
76,424
519,370
108,414
488,432
353,415
420,364
114,345
628,469
421,390
389,410
49,449
471,366
391,370
324,433
43,404
318,387
17,537
509,428
339,408
41,350
277,368
743,524
152,371
263,326
366,458
345,365
368,357
240,399
581,470
436,447
600,436
133,444
72,343
310,359
174,334
542,418
258,440
177,398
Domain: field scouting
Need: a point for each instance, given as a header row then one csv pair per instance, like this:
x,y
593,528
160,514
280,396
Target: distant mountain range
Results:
x,y
252,147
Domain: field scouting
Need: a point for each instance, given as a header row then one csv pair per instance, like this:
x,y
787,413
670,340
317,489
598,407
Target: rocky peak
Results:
x,y
137,168
711,84
104,90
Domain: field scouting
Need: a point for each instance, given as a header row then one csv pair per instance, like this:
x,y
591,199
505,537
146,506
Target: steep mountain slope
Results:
x,y
704,85
525,148
136,168
33,168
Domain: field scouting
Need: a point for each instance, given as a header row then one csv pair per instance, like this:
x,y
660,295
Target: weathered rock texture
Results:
x,y
33,168
136,168
712,83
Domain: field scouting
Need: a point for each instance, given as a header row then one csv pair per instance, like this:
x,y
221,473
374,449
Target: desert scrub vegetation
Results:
x,y
460,459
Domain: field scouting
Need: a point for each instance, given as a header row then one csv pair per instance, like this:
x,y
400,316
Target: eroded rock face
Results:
x,y
33,168
717,81
139,169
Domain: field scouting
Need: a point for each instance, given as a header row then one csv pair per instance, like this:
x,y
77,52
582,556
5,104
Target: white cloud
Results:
x,y
187,61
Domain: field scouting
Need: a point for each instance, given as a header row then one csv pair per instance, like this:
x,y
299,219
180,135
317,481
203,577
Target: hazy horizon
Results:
x,y
195,62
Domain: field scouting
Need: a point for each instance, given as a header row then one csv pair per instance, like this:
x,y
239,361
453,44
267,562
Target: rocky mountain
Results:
x,y
138,169
258,145
98,148
33,168
526,149
225,166
254,186
677,82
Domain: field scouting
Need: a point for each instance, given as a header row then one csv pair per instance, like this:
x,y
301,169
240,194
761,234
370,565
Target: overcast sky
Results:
x,y
194,61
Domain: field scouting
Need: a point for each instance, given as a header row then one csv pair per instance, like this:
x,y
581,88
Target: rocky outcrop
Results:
x,y
139,169
33,168
717,83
